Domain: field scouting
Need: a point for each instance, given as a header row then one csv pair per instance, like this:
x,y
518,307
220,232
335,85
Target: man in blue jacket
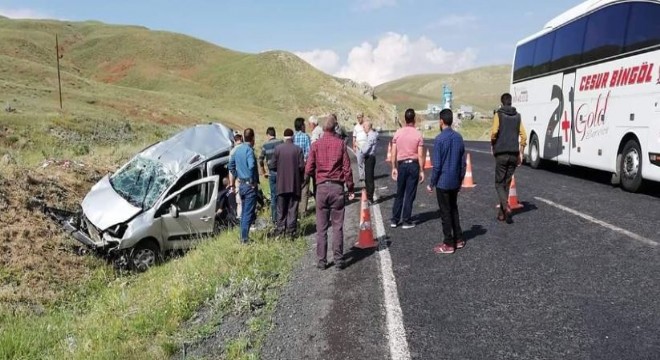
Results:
x,y
449,165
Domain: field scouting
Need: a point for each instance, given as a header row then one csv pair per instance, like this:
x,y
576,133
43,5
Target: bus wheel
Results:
x,y
534,153
631,167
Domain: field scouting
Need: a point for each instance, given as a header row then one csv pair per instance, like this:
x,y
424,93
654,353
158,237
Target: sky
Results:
x,y
371,41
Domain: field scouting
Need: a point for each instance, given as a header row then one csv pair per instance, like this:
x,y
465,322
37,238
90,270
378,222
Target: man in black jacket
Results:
x,y
508,141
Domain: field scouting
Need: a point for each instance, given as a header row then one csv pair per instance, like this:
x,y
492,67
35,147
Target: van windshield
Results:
x,y
142,181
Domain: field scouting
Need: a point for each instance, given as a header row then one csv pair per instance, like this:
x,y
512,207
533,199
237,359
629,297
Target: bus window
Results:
x,y
606,29
524,60
543,54
567,51
644,26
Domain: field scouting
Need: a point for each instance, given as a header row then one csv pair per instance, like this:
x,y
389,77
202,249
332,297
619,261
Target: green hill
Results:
x,y
123,88
132,73
480,88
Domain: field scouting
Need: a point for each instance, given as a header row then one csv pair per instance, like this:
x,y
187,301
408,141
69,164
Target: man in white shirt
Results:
x,y
359,139
317,130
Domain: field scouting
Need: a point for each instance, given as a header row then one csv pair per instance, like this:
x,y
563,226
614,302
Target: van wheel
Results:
x,y
534,153
145,255
631,166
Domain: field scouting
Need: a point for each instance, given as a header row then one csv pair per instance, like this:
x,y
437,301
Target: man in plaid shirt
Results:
x,y
448,172
302,140
329,160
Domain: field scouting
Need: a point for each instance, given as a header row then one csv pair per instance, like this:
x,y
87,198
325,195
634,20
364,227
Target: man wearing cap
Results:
x,y
359,139
329,160
267,150
288,161
407,159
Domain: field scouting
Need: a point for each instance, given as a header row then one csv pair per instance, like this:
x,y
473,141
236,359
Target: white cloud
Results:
x,y
24,13
324,60
395,56
368,5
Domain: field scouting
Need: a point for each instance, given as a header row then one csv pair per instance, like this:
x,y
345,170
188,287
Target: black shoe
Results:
x,y
321,265
340,265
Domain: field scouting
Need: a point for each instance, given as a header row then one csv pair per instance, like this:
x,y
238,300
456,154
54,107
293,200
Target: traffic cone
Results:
x,y
513,196
389,152
366,235
468,182
427,163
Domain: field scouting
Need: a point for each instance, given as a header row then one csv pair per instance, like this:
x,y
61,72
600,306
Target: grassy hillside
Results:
x,y
479,87
125,87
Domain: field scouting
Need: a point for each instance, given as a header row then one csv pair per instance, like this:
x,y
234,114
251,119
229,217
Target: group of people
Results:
x,y
508,141
293,163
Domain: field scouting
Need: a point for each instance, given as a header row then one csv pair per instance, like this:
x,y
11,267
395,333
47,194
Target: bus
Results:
x,y
588,89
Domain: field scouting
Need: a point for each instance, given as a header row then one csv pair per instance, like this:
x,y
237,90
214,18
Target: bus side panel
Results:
x,y
614,99
538,104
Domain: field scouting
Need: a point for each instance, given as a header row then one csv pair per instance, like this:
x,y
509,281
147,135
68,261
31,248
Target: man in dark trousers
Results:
x,y
267,150
449,166
368,154
328,159
288,161
407,162
508,141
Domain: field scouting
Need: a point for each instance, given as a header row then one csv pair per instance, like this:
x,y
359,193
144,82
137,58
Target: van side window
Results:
x,y
222,171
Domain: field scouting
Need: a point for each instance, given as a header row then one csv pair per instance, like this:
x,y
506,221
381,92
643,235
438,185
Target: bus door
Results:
x,y
566,126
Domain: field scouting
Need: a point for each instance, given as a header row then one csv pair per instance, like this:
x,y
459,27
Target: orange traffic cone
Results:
x,y
468,182
513,196
389,152
366,235
427,163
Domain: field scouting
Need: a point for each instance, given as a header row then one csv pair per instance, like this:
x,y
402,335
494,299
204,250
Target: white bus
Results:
x,y
588,89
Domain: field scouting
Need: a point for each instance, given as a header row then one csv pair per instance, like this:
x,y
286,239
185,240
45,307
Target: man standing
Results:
x,y
368,153
329,160
243,167
407,159
302,140
287,160
238,140
359,139
267,150
448,173
317,131
508,140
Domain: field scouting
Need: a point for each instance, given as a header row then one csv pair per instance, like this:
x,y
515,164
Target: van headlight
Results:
x,y
117,231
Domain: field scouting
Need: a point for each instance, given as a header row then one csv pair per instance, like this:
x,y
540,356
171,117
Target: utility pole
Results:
x,y
59,80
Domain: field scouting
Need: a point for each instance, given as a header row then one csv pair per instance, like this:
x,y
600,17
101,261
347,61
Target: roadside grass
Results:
x,y
139,316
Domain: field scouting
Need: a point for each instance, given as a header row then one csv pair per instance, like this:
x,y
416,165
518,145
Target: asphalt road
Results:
x,y
574,277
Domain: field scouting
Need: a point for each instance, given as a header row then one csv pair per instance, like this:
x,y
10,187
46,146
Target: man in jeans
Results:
x,y
302,140
243,167
329,160
508,150
448,172
368,154
407,159
267,150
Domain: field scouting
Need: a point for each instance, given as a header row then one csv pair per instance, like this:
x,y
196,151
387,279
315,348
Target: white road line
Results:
x,y
478,151
600,222
394,316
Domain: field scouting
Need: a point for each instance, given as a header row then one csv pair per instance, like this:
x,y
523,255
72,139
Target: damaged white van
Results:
x,y
163,199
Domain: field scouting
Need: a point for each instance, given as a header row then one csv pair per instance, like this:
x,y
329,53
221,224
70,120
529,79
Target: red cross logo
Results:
x,y
565,125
